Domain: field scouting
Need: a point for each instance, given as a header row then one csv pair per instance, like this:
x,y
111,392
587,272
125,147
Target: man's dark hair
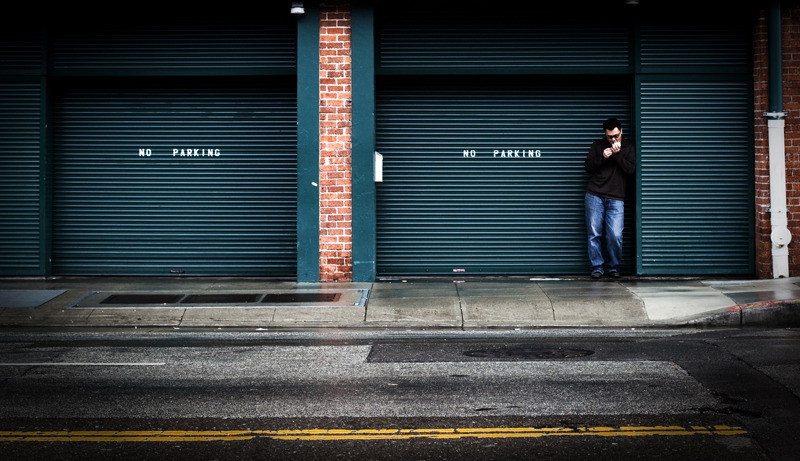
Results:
x,y
612,123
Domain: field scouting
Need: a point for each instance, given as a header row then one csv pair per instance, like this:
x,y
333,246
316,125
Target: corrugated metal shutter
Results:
x,y
694,48
504,210
156,46
129,201
21,49
696,177
474,38
20,178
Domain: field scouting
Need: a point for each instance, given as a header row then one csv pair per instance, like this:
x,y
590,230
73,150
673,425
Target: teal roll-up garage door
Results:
x,y
21,226
180,176
696,176
485,175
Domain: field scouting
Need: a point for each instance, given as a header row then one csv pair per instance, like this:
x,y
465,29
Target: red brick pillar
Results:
x,y
335,149
791,105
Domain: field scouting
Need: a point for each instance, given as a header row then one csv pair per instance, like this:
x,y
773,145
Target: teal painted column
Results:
x,y
46,182
46,166
363,144
308,144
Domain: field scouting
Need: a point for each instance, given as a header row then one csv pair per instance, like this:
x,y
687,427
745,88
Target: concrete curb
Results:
x,y
771,314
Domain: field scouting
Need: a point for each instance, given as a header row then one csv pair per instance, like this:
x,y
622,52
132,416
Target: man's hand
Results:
x,y
612,150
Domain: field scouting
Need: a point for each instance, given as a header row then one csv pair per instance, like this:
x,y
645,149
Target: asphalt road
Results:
x,y
552,394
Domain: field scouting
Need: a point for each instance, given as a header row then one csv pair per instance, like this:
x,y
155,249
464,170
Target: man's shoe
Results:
x,y
613,274
596,275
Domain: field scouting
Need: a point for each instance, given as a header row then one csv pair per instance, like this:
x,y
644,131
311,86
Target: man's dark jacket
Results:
x,y
610,175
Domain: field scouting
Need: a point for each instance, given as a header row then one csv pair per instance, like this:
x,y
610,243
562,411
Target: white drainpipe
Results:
x,y
780,236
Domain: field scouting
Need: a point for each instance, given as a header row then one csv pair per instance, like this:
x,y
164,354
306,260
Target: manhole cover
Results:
x,y
534,353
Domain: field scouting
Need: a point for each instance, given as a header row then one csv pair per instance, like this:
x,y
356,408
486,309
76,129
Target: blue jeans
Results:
x,y
604,214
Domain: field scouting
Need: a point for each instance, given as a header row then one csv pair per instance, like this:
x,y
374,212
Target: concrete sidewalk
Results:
x,y
469,303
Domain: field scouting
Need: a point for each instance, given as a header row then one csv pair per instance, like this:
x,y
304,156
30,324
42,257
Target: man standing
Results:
x,y
610,161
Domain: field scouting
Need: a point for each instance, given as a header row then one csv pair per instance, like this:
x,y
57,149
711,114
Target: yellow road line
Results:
x,y
365,434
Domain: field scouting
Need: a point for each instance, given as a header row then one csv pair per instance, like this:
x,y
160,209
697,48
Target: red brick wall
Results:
x,y
336,239
791,105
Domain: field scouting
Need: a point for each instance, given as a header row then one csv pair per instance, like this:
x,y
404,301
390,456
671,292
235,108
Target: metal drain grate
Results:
x,y
221,298
281,298
147,298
